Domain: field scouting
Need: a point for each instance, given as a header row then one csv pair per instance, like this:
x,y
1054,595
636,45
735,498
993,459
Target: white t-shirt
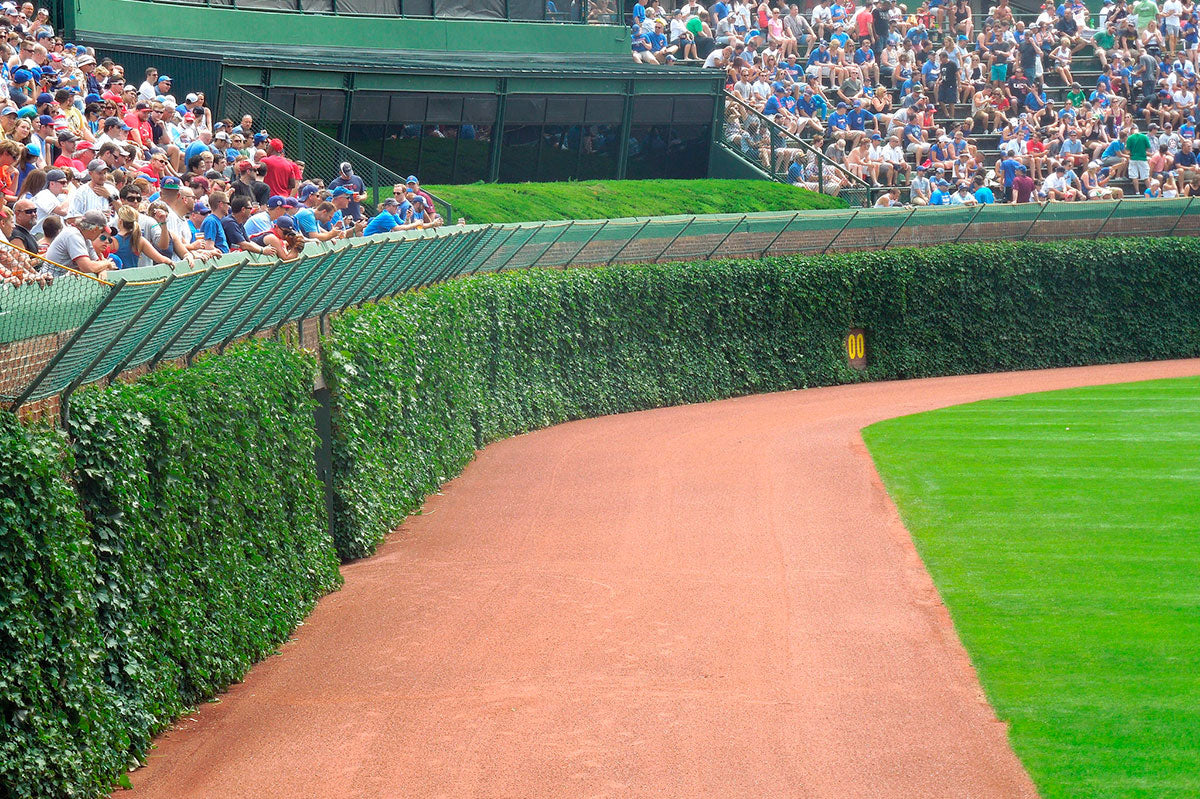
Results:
x,y
1171,11
46,201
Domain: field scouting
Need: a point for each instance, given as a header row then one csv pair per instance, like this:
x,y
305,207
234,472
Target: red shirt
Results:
x,y
65,160
142,126
280,171
1023,185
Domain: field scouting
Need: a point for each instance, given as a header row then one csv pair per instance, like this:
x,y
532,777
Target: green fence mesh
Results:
x,y
80,330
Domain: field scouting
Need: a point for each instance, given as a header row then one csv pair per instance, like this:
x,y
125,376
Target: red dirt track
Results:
x,y
712,601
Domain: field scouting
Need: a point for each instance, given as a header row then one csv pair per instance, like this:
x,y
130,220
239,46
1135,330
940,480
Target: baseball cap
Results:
x,y
97,165
308,190
244,166
285,222
201,207
93,219
27,112
192,98
170,183
417,198
45,119
276,145
8,112
391,201
345,168
275,201
778,87
411,179
55,175
342,191
291,202
164,79
44,98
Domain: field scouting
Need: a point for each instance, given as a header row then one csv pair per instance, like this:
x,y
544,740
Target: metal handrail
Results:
x,y
774,130
334,11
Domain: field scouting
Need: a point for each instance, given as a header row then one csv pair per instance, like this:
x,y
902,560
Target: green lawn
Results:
x,y
612,199
1063,531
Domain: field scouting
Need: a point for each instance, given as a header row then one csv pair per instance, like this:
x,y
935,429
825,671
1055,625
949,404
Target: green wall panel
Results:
x,y
134,18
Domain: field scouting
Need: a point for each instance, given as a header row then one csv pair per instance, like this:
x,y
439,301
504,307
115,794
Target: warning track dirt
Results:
x,y
707,601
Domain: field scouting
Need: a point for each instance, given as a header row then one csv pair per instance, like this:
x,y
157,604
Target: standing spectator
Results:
x,y
283,175
1023,187
1138,146
347,179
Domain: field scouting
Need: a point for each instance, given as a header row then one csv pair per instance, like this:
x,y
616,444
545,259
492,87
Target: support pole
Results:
x,y
496,249
70,343
841,230
120,334
203,341
259,306
620,250
1182,214
674,239
900,227
724,239
1039,216
782,230
575,254
163,350
967,226
162,322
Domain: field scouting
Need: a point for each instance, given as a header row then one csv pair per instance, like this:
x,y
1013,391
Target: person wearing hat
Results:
x,y
423,214
412,184
241,208
388,219
921,188
348,180
275,207
282,237
163,89
95,195
73,247
283,175
204,225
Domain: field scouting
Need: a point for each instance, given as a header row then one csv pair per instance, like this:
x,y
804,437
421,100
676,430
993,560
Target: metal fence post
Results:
x,y
203,340
446,249
258,307
553,241
402,281
125,328
895,232
588,241
782,230
674,239
449,270
1039,216
967,226
1111,211
841,230
279,305
1182,214
163,350
146,339
341,276
496,249
524,244
66,347
621,249
725,238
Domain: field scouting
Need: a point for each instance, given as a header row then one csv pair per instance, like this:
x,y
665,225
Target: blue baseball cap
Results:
x,y
411,179
44,98
285,222
45,119
308,190
170,182
93,98
342,191
164,79
778,87
275,201
22,76
201,207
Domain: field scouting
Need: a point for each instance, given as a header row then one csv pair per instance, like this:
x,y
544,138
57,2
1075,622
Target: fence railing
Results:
x,y
79,330
766,145
594,12
321,154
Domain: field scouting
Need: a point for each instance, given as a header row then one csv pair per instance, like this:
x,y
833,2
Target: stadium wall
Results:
x,y
210,26
178,535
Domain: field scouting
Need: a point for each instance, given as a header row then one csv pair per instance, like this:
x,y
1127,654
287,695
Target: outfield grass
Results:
x,y
1063,531
612,199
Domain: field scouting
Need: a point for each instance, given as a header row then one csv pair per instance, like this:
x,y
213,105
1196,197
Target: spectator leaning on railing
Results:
x,y
98,172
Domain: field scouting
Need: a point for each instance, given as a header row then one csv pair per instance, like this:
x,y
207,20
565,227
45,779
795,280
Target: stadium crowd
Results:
x,y
100,171
909,96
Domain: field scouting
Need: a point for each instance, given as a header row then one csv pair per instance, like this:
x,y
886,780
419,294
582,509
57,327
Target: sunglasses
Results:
x,y
26,211
133,198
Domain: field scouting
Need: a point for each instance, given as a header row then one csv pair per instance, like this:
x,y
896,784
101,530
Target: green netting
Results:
x,y
80,329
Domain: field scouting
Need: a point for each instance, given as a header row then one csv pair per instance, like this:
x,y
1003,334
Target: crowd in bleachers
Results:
x,y
102,171
954,107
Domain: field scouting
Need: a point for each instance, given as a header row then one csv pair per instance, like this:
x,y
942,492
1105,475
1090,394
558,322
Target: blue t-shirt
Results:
x,y
657,41
858,118
1009,167
214,232
384,222
837,121
1114,147
639,13
306,221
771,108
937,197
719,10
984,196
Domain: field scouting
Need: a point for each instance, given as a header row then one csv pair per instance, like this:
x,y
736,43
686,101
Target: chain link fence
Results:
x,y
322,155
79,329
